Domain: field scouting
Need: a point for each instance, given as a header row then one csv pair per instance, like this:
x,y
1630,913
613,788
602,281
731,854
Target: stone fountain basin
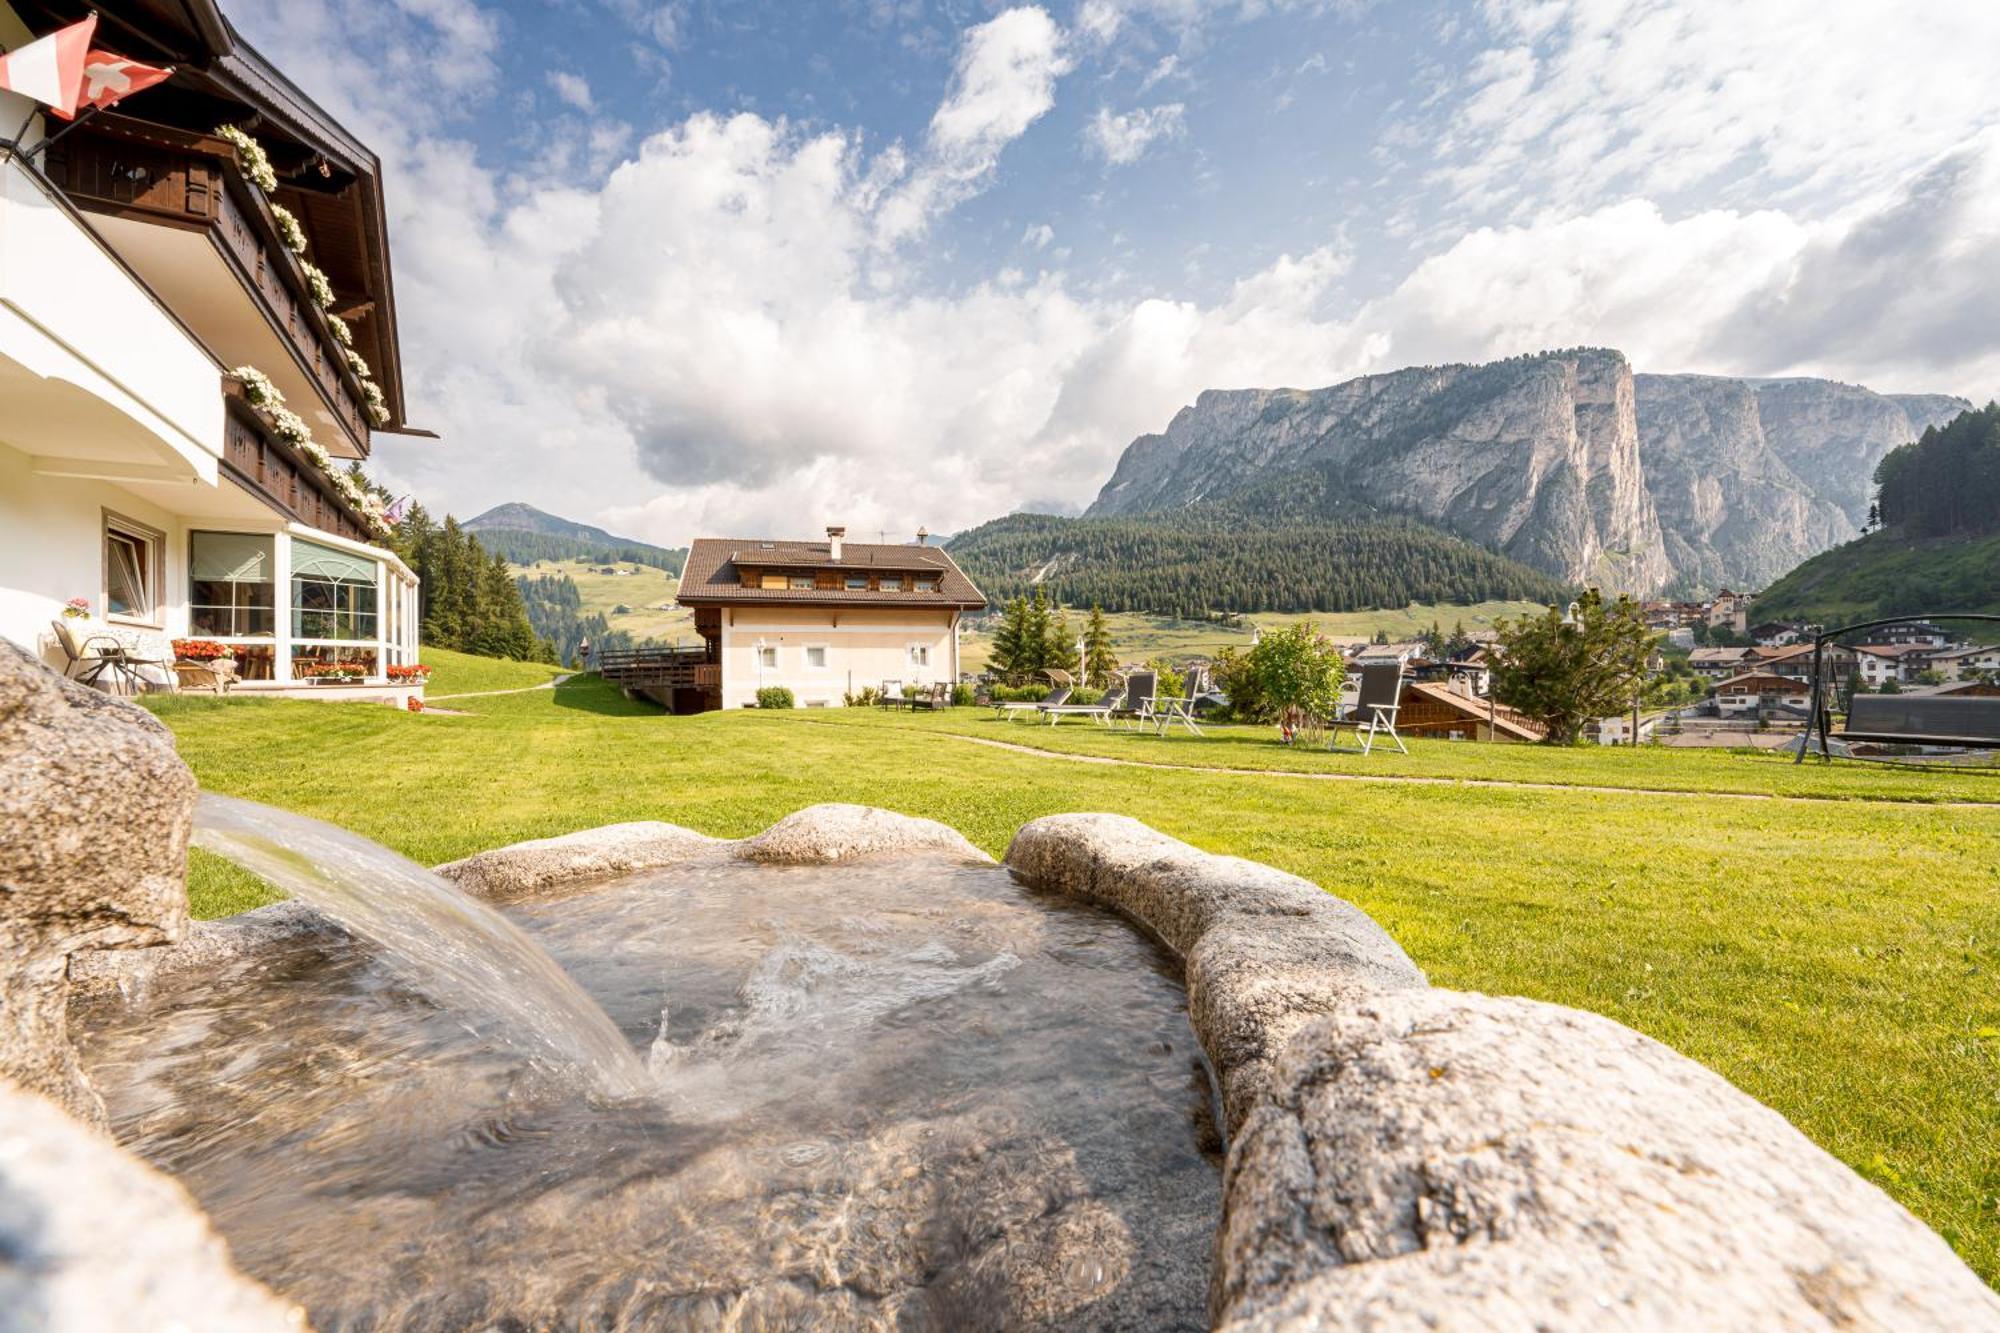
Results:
x,y
1398,1156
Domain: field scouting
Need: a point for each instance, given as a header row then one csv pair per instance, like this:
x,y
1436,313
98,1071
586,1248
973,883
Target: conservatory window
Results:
x,y
333,594
231,589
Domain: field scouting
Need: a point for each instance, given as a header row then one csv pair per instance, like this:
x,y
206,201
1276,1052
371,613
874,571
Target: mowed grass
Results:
x,y
1835,958
647,591
1140,637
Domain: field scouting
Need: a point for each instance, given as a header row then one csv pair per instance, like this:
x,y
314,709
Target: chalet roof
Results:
x,y
1972,651
1748,677
1719,655
1507,722
713,575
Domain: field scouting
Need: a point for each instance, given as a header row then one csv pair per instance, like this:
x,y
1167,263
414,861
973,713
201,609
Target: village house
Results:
x,y
1731,610
1959,664
1718,663
1880,663
821,619
1449,710
1779,633
197,337
1760,693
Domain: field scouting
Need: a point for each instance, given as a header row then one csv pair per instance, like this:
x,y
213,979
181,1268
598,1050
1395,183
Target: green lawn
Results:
x,y
1140,637
1833,957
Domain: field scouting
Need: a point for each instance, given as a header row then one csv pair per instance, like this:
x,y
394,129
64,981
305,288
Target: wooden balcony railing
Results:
x,y
267,466
661,668
154,174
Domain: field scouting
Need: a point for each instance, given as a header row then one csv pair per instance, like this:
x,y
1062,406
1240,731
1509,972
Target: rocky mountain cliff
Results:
x,y
1566,461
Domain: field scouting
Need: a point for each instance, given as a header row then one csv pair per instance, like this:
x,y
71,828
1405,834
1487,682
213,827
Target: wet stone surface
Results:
x,y
898,1092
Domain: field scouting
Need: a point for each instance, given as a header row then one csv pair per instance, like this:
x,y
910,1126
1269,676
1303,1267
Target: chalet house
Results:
x,y
1779,633
217,222
1756,692
1900,662
1718,663
1797,661
1967,663
823,619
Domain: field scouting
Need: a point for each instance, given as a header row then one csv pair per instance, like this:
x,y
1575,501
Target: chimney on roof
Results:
x,y
833,540
923,536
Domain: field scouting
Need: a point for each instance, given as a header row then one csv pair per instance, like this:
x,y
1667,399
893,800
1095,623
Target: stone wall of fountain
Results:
x,y
1399,1156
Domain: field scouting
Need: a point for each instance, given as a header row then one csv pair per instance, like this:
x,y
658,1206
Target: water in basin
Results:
x,y
901,1093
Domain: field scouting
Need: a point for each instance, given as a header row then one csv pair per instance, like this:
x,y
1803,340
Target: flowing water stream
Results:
x,y
900,1093
448,944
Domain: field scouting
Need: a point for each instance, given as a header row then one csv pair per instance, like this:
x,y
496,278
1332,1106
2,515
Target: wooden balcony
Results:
x,y
133,172
263,463
650,669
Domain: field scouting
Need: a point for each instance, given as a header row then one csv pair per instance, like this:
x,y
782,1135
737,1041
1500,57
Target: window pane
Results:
x,y
857,582
802,580
125,588
815,657
892,585
231,593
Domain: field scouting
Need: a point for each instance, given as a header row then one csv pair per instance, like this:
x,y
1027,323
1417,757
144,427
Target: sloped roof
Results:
x,y
1505,720
713,574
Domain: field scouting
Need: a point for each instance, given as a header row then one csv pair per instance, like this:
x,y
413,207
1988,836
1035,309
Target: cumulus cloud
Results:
x,y
1123,138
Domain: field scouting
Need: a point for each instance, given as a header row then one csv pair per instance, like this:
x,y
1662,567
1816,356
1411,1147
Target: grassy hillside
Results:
x,y
1741,932
522,534
646,589
1140,637
1883,574
1220,558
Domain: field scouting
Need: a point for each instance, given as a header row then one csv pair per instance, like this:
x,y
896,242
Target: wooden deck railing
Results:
x,y
660,668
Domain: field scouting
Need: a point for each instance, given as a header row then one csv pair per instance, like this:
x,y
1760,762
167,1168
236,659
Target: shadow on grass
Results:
x,y
593,694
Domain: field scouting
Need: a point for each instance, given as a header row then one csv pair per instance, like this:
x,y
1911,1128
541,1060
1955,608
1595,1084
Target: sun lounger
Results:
x,y
1101,711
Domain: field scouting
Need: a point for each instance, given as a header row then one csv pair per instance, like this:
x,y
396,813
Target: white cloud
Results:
x,y
1123,138
1576,102
1005,81
1039,235
571,88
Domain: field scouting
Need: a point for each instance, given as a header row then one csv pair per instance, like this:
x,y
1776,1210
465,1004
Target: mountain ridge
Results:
x,y
1568,461
522,534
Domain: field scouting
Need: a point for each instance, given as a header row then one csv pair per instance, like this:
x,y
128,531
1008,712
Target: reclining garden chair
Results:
x,y
1137,706
1374,711
1181,710
1056,698
1101,711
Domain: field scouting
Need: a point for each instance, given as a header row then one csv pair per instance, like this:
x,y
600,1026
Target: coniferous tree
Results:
x,y
1007,639
1100,655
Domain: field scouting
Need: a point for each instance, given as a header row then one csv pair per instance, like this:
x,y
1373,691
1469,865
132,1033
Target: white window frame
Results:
x,y
767,656
918,655
152,544
806,652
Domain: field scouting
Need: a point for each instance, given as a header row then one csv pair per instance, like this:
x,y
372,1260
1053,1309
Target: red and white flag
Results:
x,y
109,78
50,69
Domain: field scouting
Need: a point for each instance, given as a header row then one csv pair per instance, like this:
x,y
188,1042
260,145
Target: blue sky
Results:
x,y
685,266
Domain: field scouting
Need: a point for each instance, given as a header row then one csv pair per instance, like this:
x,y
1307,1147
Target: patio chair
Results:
x,y
1137,707
1374,712
93,650
891,695
1181,710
